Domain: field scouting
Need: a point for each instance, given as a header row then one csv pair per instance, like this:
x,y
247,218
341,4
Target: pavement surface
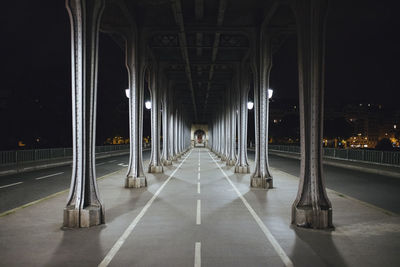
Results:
x,y
199,213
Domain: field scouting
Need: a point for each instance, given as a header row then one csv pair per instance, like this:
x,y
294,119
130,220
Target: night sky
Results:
x,y
35,97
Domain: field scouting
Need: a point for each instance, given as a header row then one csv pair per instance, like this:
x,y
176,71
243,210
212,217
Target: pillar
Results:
x,y
155,165
242,165
231,160
166,160
135,177
262,63
84,207
170,103
312,207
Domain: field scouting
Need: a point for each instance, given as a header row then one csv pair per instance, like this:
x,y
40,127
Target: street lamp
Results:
x,y
270,92
147,104
250,105
127,92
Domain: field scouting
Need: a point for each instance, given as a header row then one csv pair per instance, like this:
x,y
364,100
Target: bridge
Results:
x,y
199,196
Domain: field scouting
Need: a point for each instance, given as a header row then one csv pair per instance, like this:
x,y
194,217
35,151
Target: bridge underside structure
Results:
x,y
199,59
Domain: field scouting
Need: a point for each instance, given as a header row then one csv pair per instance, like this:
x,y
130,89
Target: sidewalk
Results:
x,y
229,236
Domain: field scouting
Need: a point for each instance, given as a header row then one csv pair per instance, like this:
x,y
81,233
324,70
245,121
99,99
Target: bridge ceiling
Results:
x,y
199,42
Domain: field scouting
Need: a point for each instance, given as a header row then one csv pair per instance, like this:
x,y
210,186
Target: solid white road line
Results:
x,y
100,163
199,168
198,176
198,214
197,254
110,255
8,185
198,188
50,175
112,161
286,260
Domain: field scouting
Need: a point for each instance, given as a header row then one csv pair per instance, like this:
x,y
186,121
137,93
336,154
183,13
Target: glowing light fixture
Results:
x,y
250,105
147,104
270,93
127,92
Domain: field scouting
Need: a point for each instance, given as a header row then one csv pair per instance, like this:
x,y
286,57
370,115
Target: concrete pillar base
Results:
x,y
304,217
242,169
167,162
258,182
156,169
223,158
87,217
135,182
230,162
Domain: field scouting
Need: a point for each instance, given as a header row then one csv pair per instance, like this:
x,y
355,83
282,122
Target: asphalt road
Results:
x,y
19,189
379,190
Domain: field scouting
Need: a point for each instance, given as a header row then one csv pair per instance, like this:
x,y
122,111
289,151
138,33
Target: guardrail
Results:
x,y
372,156
33,155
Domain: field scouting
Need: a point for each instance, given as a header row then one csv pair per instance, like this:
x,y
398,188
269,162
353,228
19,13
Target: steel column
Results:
x,y
312,207
262,63
242,165
155,165
135,67
84,207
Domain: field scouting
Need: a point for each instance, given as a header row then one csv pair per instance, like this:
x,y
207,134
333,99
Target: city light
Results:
x,y
270,92
395,126
147,104
250,105
127,92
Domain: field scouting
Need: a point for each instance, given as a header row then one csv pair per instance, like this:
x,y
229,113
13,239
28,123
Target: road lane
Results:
x,y
31,186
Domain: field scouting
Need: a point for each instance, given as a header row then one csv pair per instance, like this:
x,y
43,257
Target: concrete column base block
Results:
x,y
242,169
156,169
87,217
230,162
305,217
258,182
223,158
135,182
167,162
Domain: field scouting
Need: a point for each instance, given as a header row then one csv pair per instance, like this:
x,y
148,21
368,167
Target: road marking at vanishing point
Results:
x,y
8,185
113,251
50,175
198,187
198,176
286,260
197,254
198,214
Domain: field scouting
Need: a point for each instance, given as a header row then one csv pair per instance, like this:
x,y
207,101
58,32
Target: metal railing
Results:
x,y
363,155
33,155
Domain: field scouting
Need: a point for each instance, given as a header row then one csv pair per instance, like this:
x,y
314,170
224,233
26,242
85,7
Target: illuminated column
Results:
x,y
176,132
155,165
171,155
262,63
227,119
166,160
135,176
242,165
312,207
231,160
84,207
